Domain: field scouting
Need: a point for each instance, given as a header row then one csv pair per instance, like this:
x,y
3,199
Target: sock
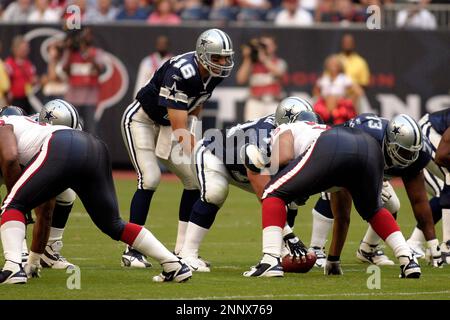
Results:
x,y
203,214
272,240
371,237
145,242
397,243
181,235
436,209
140,205
55,234
187,202
194,237
291,215
320,229
446,224
383,223
24,243
12,233
273,213
417,236
61,215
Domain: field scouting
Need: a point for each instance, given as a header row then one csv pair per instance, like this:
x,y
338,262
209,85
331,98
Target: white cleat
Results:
x,y
176,271
197,264
445,252
51,258
134,259
373,254
409,267
13,273
270,266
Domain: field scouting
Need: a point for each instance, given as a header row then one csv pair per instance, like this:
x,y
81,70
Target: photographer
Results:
x,y
263,71
54,84
83,64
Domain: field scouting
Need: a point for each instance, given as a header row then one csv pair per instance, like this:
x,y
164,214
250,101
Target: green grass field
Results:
x,y
232,246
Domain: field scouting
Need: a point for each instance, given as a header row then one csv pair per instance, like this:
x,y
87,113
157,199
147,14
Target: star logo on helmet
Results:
x,y
396,131
204,42
289,114
49,116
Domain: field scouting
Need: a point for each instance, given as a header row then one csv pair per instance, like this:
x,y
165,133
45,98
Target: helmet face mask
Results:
x,y
12,111
212,46
402,141
60,112
289,109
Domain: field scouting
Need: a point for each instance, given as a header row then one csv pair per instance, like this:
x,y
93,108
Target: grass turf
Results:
x,y
232,246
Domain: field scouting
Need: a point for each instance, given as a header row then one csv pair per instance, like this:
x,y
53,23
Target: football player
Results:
x,y
435,127
319,159
405,155
56,158
217,164
175,94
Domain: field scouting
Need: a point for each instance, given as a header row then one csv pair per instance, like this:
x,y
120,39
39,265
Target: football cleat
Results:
x,y
269,266
176,271
321,256
373,254
445,252
134,259
332,268
411,269
417,248
51,258
197,264
13,273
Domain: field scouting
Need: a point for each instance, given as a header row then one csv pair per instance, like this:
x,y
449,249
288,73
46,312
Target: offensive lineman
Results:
x,y
56,158
175,94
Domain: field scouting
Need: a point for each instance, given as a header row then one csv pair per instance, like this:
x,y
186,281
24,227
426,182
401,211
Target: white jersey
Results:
x,y
30,135
305,134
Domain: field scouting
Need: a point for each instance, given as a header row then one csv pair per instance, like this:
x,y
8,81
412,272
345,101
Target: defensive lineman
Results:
x,y
176,92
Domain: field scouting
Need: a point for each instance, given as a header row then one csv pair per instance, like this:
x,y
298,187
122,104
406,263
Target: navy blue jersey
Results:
x,y
376,127
440,120
177,84
226,144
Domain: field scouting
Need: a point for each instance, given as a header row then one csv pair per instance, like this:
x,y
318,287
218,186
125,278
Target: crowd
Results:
x,y
173,12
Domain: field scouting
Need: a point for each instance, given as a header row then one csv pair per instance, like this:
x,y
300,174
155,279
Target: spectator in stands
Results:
x,y
164,14
152,62
54,84
263,70
103,12
192,10
132,11
348,13
252,10
82,6
17,11
293,15
223,10
4,81
355,66
83,64
416,17
42,13
22,74
325,12
335,93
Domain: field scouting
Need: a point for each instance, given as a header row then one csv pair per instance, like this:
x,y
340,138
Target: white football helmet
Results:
x,y
60,112
215,42
402,140
289,109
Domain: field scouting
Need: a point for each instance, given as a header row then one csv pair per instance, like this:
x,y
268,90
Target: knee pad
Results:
x,y
215,191
66,198
150,177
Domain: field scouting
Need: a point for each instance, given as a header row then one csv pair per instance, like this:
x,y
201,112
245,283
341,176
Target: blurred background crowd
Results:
x,y
398,13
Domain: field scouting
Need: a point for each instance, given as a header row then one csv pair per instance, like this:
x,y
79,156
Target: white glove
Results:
x,y
253,157
385,194
33,270
433,254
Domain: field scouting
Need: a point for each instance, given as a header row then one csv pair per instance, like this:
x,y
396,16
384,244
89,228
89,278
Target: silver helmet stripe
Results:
x,y
225,42
74,118
417,136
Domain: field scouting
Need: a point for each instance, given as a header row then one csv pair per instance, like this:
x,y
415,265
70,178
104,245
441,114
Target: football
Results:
x,y
297,265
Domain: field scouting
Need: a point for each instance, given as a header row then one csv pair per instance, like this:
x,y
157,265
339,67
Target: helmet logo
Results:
x,y
396,131
204,42
289,114
49,115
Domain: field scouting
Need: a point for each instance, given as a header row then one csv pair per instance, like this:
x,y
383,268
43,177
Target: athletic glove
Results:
x,y
296,247
253,157
433,254
333,268
385,194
